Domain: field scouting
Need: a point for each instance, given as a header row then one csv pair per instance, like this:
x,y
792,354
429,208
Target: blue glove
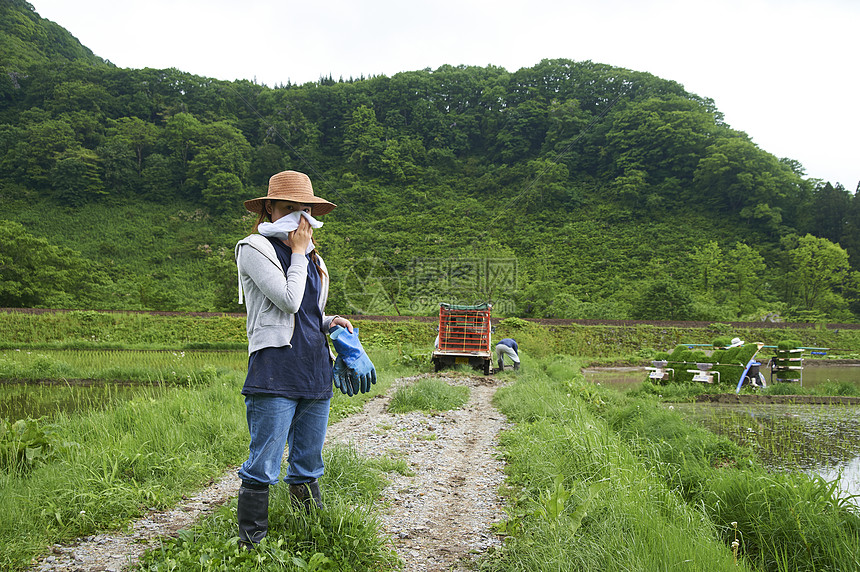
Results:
x,y
361,372
341,377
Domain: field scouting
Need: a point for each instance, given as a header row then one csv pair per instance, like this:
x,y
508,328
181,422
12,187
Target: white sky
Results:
x,y
786,72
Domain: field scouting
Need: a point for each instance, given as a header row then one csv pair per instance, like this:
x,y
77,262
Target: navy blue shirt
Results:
x,y
302,371
510,343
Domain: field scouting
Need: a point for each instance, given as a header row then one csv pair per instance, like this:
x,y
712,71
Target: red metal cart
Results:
x,y
464,337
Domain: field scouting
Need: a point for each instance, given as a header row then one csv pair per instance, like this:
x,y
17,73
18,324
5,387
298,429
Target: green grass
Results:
x,y
620,345
111,465
145,450
428,395
781,517
581,500
599,480
342,536
596,480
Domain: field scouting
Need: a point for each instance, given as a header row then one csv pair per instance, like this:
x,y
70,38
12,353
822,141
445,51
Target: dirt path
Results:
x,y
112,551
437,519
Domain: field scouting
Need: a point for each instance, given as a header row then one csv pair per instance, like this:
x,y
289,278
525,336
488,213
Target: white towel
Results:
x,y
282,227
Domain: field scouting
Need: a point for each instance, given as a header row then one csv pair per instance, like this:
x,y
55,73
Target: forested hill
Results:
x,y
567,189
27,40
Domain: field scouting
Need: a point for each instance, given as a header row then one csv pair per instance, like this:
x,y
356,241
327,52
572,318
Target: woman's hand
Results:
x,y
341,321
300,238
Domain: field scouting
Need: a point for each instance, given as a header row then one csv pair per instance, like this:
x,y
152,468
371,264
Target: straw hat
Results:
x,y
291,186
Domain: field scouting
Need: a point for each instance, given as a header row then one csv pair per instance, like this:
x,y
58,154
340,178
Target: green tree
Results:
x,y
78,95
819,266
223,192
663,299
119,169
831,209
180,132
267,160
363,138
75,177
664,136
521,131
138,135
36,153
745,271
35,273
159,178
708,264
220,148
734,173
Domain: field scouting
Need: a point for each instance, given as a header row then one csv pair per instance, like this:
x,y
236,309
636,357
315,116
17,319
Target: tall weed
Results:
x,y
581,500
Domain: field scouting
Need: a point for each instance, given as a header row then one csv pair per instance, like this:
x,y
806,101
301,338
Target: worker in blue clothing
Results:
x,y
507,347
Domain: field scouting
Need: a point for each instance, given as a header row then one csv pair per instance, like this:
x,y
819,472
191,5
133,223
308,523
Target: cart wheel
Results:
x,y
488,368
437,365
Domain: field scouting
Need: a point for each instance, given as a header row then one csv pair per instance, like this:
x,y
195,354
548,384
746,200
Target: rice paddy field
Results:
x,y
601,474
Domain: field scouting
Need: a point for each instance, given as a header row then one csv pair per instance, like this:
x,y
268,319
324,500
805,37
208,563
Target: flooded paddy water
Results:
x,y
821,440
44,383
22,400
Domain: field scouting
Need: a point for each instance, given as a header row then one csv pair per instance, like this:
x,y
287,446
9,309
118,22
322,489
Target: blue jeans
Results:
x,y
275,422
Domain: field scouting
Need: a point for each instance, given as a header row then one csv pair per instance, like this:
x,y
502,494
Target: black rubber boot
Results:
x,y
516,365
306,495
253,513
501,365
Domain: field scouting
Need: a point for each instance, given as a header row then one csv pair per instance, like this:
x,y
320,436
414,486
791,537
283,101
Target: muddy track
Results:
x,y
437,518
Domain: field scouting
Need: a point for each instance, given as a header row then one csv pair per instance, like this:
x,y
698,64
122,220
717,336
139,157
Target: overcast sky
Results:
x,y
786,72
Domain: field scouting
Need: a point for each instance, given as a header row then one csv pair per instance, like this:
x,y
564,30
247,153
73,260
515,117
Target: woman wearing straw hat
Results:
x,y
288,388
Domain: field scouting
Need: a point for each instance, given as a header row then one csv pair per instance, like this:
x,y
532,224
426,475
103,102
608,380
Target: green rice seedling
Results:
x,y
22,400
428,395
679,354
21,365
672,392
698,356
178,367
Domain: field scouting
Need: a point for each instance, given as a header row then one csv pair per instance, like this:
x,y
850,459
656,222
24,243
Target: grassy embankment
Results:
x,y
607,344
601,481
